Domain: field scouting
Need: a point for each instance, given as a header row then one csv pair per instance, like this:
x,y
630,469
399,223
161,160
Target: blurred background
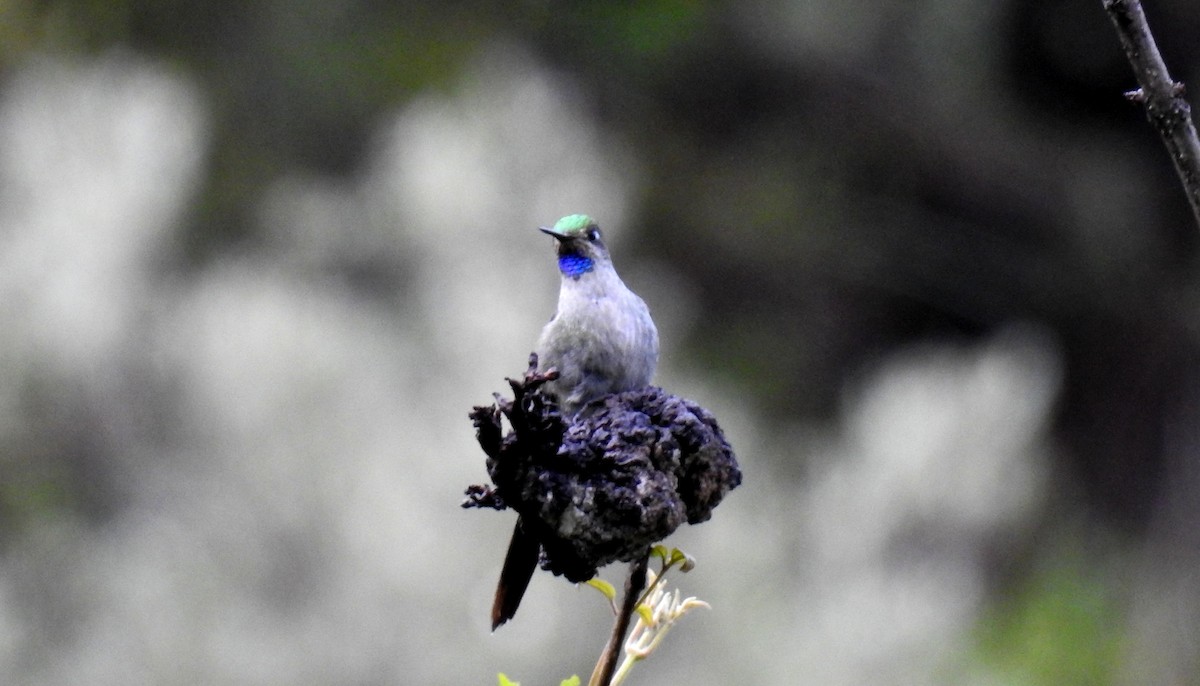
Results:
x,y
931,271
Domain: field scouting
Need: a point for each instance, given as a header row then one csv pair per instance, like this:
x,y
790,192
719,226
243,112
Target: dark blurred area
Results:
x,y
838,180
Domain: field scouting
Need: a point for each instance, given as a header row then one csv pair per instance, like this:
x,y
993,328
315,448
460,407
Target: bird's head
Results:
x,y
580,247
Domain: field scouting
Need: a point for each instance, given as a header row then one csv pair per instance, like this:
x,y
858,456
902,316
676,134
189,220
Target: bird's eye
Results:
x,y
593,234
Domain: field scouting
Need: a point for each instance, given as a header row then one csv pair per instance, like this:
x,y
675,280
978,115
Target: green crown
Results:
x,y
574,223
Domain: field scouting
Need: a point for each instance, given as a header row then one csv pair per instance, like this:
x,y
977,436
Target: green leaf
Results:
x,y
677,556
646,613
604,587
505,681
660,551
573,681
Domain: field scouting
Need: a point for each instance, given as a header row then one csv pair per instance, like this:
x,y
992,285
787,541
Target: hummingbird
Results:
x,y
601,340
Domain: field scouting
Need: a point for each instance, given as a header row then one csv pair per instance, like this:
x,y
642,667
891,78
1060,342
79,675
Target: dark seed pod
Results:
x,y
607,483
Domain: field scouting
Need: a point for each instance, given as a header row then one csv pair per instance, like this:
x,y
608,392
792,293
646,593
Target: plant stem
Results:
x,y
634,585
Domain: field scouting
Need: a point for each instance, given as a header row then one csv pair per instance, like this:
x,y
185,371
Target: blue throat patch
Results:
x,y
574,266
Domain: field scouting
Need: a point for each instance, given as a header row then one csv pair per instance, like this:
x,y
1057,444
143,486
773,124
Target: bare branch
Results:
x,y
1162,97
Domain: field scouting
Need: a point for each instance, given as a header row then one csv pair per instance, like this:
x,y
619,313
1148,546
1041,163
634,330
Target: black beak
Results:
x,y
552,232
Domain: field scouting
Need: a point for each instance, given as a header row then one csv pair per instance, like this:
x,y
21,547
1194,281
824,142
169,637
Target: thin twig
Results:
x,y
1162,97
634,586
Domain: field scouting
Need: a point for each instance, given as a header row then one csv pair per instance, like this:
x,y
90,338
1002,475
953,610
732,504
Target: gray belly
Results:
x,y
595,357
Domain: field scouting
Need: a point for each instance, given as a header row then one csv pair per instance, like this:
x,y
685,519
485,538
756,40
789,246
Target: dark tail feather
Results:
x,y
519,564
